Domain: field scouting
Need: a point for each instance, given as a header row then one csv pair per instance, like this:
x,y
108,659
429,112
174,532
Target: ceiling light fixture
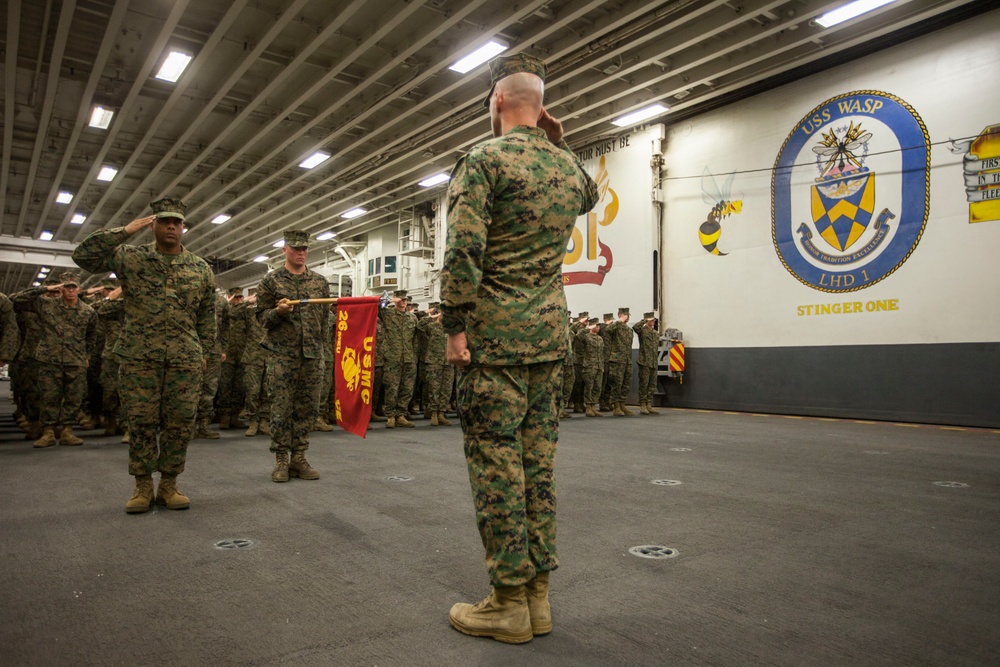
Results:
x,y
479,56
221,218
101,117
107,173
260,259
434,180
314,160
353,213
850,11
173,66
325,236
64,197
77,219
44,270
280,243
640,115
45,236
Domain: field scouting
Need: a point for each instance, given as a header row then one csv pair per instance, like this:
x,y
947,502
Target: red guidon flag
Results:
x,y
354,361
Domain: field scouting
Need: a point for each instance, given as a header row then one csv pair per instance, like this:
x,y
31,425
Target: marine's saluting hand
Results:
x,y
553,128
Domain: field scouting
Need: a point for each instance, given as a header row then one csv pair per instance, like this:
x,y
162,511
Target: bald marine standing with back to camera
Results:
x,y
513,202
169,328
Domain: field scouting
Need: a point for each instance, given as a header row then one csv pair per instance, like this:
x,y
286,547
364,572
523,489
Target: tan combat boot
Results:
x,y
390,422
377,418
85,421
205,432
48,437
252,429
35,431
537,591
300,468
625,410
434,419
125,438
168,495
642,409
142,497
401,420
618,412
264,428
321,425
442,420
503,616
650,410
280,472
224,422
67,438
591,412
565,415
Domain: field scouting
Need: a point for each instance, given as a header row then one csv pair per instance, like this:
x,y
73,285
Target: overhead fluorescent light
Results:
x,y
64,197
101,117
173,66
221,218
353,213
434,180
478,57
260,259
640,115
45,236
850,11
280,243
36,284
40,276
107,173
325,236
314,160
78,219
44,270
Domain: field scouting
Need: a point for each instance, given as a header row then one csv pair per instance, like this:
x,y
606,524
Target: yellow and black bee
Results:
x,y
722,207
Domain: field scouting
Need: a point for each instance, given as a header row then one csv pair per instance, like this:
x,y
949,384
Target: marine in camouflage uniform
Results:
x,y
169,330
648,362
68,334
27,366
230,395
328,397
296,337
434,358
399,329
620,363
258,390
513,202
569,375
605,405
576,398
111,319
9,335
378,386
593,363
213,371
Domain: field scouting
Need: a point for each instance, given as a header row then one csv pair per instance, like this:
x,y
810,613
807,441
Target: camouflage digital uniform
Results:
x,y
9,334
328,398
111,318
649,352
378,400
569,371
297,343
619,361
593,364
513,202
258,391
25,367
399,329
169,330
230,394
68,334
435,364
213,361
606,399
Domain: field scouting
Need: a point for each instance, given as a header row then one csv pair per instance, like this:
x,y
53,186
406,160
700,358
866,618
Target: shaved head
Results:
x,y
516,100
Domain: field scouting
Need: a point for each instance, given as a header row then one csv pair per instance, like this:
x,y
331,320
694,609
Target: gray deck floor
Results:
x,y
801,542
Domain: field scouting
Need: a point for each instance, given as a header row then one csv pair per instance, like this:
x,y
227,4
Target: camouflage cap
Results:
x,y
583,315
235,291
434,305
168,207
503,66
295,238
649,316
251,291
623,311
51,280
592,321
68,278
401,293
609,316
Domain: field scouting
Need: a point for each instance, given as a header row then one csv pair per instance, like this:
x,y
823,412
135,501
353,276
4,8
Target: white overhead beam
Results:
x,y
18,250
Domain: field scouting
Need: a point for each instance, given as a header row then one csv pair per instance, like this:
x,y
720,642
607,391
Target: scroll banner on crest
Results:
x,y
354,361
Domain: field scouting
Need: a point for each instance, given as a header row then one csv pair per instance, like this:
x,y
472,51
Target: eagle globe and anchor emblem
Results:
x,y
848,247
